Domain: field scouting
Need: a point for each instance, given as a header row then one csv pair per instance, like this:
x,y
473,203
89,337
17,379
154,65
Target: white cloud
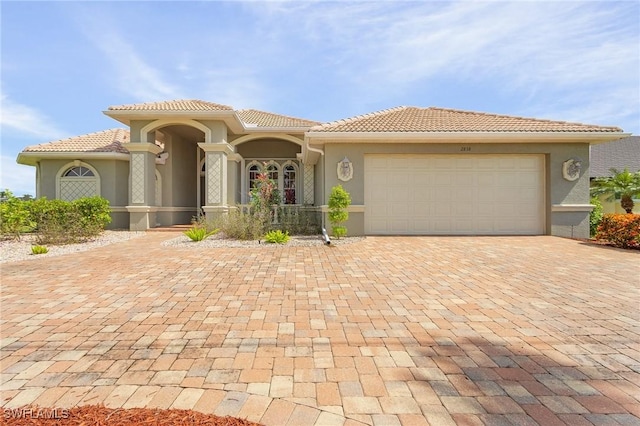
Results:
x,y
27,121
133,75
18,178
586,52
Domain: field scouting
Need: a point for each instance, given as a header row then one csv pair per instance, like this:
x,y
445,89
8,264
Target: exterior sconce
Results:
x,y
162,157
345,170
571,169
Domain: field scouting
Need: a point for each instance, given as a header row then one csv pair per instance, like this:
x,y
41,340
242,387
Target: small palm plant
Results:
x,y
276,237
199,233
622,185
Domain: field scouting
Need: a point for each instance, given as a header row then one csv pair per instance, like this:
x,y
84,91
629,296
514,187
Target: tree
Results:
x,y
339,200
621,185
264,196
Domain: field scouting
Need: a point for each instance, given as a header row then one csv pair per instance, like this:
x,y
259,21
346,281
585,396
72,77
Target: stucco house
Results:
x,y
621,154
409,170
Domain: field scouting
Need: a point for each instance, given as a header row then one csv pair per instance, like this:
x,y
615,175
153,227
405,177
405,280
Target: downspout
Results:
x,y
307,147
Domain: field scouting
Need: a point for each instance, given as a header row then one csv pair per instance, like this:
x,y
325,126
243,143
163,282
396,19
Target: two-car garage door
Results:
x,y
454,194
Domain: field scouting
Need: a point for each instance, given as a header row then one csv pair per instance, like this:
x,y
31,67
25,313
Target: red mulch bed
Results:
x,y
89,415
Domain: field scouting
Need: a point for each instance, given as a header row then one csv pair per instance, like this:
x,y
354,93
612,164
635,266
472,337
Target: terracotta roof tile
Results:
x,y
105,141
253,117
175,105
412,119
621,154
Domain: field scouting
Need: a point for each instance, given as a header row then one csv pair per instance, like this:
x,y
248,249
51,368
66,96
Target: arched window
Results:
x,y
79,171
77,180
272,170
285,176
254,171
289,184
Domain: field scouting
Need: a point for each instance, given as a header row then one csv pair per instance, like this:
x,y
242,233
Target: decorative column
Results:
x,y
142,183
215,182
309,184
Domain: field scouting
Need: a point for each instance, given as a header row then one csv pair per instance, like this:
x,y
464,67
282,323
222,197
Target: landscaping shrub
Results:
x,y
296,221
595,216
240,226
620,230
68,222
264,196
39,250
15,216
276,237
199,233
339,201
95,213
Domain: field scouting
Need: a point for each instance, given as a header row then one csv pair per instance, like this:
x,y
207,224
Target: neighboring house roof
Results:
x,y
256,118
105,141
174,105
621,154
413,119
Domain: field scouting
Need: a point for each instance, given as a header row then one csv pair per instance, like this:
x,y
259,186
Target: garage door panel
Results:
x,y
454,194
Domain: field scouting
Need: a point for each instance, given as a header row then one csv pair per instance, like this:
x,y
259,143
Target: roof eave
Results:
x,y
260,129
30,158
467,137
125,116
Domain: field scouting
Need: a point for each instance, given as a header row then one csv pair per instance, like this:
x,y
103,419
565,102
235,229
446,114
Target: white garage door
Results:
x,y
454,194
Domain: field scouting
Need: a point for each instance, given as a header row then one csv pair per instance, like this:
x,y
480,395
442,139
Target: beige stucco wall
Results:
x,y
557,189
268,148
114,184
614,206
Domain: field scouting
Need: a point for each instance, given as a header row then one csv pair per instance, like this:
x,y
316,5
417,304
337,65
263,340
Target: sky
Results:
x,y
63,62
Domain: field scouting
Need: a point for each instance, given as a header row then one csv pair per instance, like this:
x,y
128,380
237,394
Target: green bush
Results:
x,y
339,201
15,216
276,237
94,211
39,250
68,222
240,226
620,230
198,233
595,216
297,221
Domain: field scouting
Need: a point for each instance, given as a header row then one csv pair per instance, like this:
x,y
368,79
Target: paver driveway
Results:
x,y
387,331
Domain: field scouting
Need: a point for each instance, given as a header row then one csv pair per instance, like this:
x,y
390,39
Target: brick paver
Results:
x,y
386,331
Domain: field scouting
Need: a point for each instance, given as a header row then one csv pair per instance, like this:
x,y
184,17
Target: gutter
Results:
x,y
467,137
30,158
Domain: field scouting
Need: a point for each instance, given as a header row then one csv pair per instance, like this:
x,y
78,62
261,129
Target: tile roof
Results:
x,y
175,105
621,154
413,119
105,141
254,117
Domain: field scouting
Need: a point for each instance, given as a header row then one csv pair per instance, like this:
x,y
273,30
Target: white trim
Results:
x,y
141,209
126,209
462,137
572,207
254,136
31,158
353,208
177,209
173,121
